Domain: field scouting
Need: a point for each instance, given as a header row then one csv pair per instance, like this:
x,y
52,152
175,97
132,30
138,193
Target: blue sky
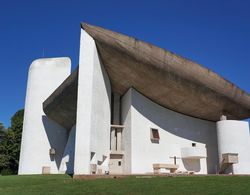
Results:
x,y
214,33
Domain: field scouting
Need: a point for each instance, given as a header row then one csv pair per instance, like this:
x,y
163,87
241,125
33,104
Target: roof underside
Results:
x,y
167,79
61,105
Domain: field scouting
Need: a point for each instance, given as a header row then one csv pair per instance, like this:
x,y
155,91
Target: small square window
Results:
x,y
193,144
154,134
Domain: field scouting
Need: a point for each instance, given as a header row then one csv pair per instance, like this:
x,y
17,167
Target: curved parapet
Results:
x,y
193,152
45,75
168,79
233,138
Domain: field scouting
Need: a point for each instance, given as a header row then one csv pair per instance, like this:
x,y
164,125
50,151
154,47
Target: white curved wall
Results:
x,y
39,133
233,137
176,130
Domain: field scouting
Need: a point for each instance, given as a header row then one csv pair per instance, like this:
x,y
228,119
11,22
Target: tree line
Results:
x,y
10,143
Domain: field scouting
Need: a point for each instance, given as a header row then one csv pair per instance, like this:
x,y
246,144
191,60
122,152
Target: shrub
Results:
x,y
6,172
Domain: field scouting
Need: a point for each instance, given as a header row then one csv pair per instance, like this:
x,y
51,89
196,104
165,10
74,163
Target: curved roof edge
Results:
x,y
138,57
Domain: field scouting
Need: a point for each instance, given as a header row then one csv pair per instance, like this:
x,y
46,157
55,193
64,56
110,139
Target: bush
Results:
x,y
7,172
10,145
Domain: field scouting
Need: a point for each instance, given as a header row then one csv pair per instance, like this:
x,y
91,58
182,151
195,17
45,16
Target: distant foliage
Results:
x,y
10,145
2,132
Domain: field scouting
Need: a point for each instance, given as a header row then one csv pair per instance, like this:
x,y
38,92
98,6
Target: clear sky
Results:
x,y
214,33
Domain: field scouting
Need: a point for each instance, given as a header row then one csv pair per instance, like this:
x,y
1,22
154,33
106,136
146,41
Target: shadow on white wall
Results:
x,y
192,164
180,125
57,137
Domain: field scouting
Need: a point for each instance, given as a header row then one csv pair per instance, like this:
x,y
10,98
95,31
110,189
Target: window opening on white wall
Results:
x,y
154,134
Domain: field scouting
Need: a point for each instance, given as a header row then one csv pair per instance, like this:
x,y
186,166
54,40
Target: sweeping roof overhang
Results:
x,y
166,78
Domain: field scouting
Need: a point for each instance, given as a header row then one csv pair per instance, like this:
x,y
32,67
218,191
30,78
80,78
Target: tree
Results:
x,y
2,132
10,144
1,126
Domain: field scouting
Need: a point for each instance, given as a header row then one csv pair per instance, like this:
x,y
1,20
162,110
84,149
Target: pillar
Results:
x,y
113,139
119,139
116,109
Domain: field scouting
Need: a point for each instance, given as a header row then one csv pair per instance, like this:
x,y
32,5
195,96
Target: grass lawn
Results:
x,y
63,184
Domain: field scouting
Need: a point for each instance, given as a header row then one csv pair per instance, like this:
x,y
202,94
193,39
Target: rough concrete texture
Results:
x,y
40,134
61,105
177,133
233,137
168,79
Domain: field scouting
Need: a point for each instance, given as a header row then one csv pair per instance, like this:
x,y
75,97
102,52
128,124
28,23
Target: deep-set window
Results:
x,y
154,134
119,163
193,144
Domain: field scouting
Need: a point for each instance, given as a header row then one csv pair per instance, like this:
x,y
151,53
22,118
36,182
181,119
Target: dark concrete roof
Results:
x,y
61,105
166,78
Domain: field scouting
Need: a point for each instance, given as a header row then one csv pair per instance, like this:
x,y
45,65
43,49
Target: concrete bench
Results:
x,y
172,167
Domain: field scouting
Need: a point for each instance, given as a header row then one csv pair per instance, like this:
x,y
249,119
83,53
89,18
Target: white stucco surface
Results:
x,y
67,163
176,130
197,144
126,107
93,108
101,110
233,137
39,133
194,152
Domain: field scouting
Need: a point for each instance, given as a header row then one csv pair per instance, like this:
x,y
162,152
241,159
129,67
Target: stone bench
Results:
x,y
172,167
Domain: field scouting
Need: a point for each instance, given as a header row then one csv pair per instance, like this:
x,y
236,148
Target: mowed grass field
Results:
x,y
63,184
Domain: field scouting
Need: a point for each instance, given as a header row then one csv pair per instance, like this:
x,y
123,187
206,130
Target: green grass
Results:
x,y
63,184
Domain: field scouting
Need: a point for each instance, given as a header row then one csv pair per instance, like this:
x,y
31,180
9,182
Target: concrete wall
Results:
x,y
39,133
93,108
101,110
176,130
233,137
